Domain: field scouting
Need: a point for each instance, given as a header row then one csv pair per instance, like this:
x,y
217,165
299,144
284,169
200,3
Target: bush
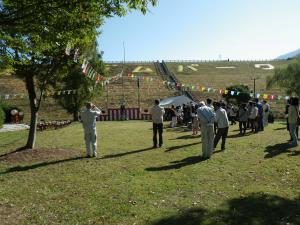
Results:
x,y
2,117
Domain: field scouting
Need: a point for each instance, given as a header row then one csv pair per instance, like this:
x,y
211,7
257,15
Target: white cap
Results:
x,y
202,103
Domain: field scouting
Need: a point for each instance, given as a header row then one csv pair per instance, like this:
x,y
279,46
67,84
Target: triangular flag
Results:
x,y
87,69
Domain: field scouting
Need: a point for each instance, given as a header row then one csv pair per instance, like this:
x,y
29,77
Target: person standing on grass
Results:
x,y
88,118
253,116
260,125
206,116
293,118
243,118
157,113
195,124
223,124
173,122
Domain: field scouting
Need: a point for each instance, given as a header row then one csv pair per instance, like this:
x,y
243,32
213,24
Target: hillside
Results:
x,y
221,74
214,75
290,55
151,87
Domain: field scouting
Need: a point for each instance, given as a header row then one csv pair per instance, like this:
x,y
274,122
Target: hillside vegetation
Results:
x,y
217,75
222,74
151,87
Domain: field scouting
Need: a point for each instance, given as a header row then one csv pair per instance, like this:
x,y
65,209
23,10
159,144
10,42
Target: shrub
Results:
x,y
2,117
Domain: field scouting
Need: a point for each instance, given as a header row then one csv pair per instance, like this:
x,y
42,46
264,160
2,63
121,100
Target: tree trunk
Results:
x,y
34,111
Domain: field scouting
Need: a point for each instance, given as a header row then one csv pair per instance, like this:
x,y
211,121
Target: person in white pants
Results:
x,y
207,119
88,118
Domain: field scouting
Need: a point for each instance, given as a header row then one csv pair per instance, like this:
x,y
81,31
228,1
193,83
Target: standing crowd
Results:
x,y
212,119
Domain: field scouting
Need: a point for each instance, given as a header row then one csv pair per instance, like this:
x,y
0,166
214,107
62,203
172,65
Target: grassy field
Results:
x,y
254,181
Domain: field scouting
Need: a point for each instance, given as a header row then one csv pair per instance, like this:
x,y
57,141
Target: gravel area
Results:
x,y
14,127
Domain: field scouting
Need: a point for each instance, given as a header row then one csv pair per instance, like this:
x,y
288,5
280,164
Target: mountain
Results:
x,y
289,55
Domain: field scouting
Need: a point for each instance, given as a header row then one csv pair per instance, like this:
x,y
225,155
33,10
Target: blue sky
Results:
x,y
204,29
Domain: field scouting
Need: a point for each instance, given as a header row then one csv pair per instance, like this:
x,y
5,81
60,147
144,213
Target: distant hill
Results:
x,y
290,55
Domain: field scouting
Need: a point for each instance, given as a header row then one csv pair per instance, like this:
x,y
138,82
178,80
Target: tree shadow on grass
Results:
x,y
178,164
179,129
254,209
275,150
15,151
126,153
238,135
280,128
181,146
189,136
38,165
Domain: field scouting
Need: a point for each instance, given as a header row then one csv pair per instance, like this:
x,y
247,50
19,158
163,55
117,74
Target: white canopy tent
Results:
x,y
176,101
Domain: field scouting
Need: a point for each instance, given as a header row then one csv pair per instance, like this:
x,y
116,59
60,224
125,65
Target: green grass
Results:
x,y
254,181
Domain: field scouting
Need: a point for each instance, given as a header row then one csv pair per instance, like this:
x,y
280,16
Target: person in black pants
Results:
x,y
157,113
243,118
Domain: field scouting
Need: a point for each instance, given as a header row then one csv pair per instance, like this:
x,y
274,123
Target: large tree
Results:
x,y
287,78
34,35
237,94
85,88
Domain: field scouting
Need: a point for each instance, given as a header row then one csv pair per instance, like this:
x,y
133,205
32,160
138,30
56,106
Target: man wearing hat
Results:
x,y
88,118
206,116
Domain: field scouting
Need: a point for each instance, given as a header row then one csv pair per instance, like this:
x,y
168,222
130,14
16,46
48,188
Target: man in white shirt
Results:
x,y
157,113
88,118
207,118
223,124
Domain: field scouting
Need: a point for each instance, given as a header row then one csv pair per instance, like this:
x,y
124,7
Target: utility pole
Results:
x,y
123,101
139,96
107,96
254,85
254,80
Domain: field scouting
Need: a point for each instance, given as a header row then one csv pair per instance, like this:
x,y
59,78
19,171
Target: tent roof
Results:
x,y
176,101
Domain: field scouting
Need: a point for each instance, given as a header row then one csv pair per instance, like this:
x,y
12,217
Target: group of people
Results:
x,y
211,117
213,120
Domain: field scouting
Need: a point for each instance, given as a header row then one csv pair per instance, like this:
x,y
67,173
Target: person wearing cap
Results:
x,y
206,116
88,119
223,124
157,112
